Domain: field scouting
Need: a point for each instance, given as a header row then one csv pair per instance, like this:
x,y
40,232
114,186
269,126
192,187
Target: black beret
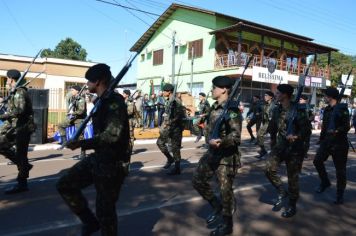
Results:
x,y
223,82
256,96
202,94
332,92
127,92
286,89
76,87
98,72
304,97
13,74
168,87
269,93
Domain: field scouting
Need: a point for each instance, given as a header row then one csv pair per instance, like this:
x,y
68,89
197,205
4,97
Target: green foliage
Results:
x,y
66,49
340,64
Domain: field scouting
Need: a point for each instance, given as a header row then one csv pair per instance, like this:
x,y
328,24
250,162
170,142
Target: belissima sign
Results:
x,y
262,74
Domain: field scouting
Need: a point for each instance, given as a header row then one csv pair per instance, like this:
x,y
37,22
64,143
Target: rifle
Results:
x,y
18,83
294,112
99,101
71,105
215,134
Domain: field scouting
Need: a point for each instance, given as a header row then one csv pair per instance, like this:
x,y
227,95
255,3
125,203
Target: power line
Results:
x,y
128,8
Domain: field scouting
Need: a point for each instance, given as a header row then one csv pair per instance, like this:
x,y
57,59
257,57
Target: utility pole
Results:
x,y
191,71
173,55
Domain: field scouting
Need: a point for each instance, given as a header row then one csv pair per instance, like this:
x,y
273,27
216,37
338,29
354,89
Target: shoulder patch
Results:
x,y
233,115
113,106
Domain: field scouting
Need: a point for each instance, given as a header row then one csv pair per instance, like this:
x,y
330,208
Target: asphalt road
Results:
x,y
152,203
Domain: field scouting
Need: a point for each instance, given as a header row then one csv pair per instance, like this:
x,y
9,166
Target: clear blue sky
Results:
x,y
107,32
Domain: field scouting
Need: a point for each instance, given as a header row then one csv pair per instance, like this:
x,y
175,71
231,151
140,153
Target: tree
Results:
x,y
340,64
66,49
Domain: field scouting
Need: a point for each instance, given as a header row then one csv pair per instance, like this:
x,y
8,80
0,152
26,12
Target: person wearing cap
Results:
x,y
77,111
266,118
131,111
16,130
334,143
254,116
287,148
171,129
304,100
106,167
203,108
222,159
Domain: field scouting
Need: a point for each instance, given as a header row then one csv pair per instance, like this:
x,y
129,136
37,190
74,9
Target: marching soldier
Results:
x,y
17,130
254,116
131,111
266,117
106,167
287,148
334,143
221,160
77,111
204,107
170,131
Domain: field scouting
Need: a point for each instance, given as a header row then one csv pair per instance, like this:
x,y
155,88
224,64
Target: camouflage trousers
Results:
x,y
338,152
293,162
84,174
132,133
252,122
263,130
21,140
225,174
171,137
198,131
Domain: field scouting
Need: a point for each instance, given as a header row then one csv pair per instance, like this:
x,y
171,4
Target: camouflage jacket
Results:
x,y
174,120
111,131
267,112
278,128
131,109
342,123
230,131
19,113
78,107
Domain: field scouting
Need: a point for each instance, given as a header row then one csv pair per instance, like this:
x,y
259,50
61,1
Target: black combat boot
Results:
x,y
223,229
169,160
262,153
291,210
215,214
81,156
339,197
21,186
90,223
175,170
323,186
281,195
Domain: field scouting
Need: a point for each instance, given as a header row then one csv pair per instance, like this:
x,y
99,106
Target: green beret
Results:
x,y
98,72
223,82
13,74
332,92
168,87
285,89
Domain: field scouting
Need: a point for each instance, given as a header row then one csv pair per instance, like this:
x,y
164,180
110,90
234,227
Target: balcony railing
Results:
x,y
235,60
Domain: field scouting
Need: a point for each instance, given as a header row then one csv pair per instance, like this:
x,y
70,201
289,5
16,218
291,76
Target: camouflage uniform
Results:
x,y
266,117
222,162
17,130
203,110
335,145
256,112
105,168
291,153
171,130
131,111
74,117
